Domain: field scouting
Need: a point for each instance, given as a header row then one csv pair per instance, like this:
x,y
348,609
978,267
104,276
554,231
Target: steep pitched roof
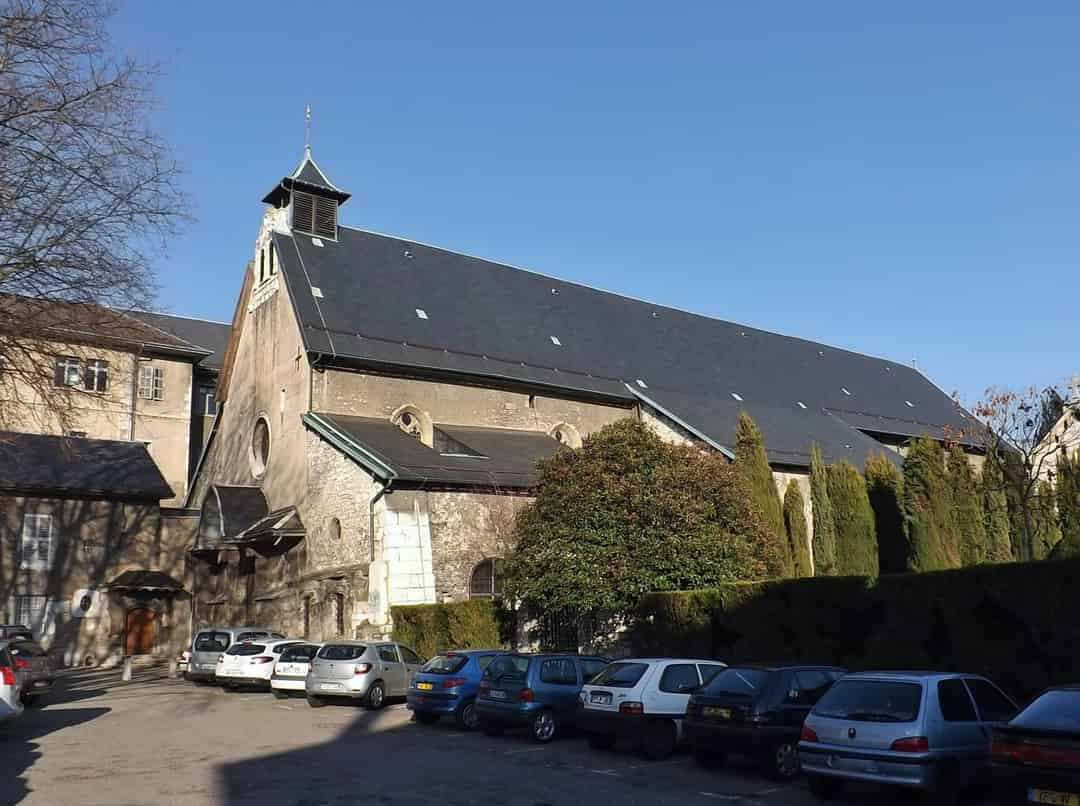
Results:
x,y
92,468
210,335
493,322
307,176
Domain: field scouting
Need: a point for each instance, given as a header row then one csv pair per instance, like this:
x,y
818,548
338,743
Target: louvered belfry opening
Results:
x,y
313,214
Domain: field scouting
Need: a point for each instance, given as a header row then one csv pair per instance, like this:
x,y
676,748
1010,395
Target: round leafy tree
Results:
x,y
627,514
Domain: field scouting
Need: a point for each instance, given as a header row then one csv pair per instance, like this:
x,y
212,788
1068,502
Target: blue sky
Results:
x,y
901,181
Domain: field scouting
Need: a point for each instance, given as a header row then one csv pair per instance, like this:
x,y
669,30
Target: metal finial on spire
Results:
x,y
307,130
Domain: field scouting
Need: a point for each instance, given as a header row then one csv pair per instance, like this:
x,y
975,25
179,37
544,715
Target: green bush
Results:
x,y
824,524
1008,621
967,508
928,507
885,487
752,465
856,537
434,628
797,533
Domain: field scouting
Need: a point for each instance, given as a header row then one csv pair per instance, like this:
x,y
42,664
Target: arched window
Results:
x,y
566,434
415,423
486,582
335,529
260,446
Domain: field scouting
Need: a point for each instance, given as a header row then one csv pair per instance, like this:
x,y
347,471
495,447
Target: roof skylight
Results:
x,y
845,391
800,404
316,241
909,404
642,384
555,341
421,313
316,292
737,396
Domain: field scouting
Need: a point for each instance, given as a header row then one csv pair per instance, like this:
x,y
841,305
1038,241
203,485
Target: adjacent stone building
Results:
x,y
382,405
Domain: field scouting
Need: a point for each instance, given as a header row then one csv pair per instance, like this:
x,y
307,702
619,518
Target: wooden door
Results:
x,y
139,631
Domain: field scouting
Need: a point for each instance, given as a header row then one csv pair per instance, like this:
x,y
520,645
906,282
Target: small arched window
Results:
x,y
486,581
335,529
260,446
415,423
262,265
566,434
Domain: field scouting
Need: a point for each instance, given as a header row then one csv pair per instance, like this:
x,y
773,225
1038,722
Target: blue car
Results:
x,y
539,692
447,686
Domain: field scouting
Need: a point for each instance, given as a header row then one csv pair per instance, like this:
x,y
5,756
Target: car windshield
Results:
x,y
445,664
211,642
245,649
1053,710
620,675
299,654
507,665
871,701
736,680
342,651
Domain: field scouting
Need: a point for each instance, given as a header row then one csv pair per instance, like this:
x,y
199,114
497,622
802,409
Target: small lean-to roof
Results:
x,y
508,457
487,322
70,466
210,335
145,580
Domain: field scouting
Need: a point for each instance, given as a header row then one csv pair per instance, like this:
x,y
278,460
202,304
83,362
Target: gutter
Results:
x,y
697,432
347,445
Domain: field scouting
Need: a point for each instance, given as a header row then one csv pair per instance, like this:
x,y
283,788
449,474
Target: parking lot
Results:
x,y
98,740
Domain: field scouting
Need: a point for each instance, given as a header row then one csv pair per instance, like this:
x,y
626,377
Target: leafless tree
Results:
x,y
87,187
1026,431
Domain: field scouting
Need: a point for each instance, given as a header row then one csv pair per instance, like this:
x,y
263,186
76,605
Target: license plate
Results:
x,y
498,695
330,686
425,686
1056,798
716,713
600,698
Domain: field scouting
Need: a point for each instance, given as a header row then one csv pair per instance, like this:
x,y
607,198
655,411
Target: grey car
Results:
x,y
361,670
210,642
35,666
927,731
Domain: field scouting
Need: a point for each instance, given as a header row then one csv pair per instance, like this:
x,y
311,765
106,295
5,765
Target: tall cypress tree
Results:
x,y
856,536
824,525
795,524
928,508
1068,504
996,513
1047,530
753,465
968,508
885,486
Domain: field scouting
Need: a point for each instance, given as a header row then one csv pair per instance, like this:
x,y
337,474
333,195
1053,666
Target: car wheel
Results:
x,y
710,758
491,728
199,682
782,762
426,717
29,699
315,702
659,739
822,787
466,717
376,696
602,741
544,727
280,695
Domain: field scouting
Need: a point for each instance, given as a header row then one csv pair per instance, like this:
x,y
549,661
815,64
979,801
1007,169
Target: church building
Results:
x,y
382,404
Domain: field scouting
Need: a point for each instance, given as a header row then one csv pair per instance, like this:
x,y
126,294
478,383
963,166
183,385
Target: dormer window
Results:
x,y
316,215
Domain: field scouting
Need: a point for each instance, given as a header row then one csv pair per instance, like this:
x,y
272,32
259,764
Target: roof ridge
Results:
x,y
182,316
641,300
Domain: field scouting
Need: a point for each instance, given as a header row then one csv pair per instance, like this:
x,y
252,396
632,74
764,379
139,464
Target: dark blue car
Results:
x,y
447,686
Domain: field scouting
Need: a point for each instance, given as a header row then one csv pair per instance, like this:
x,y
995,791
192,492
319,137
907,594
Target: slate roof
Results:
x,y
307,176
210,335
68,466
509,456
490,322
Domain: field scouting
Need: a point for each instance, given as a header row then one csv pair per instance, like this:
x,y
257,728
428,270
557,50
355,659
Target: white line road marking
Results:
x,y
526,750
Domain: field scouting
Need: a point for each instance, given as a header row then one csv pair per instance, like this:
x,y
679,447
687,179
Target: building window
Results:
x,y
566,435
207,405
335,529
486,582
273,269
68,371
262,265
337,603
77,434
96,375
414,423
30,611
36,549
260,446
151,383
410,424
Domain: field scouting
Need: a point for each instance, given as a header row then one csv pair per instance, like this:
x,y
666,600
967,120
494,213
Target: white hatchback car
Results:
x,y
250,663
291,669
644,698
10,685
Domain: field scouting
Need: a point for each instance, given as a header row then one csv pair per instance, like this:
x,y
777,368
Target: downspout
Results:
x,y
134,391
371,517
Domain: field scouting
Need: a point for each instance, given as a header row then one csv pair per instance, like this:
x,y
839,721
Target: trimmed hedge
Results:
x,y
1013,622
434,628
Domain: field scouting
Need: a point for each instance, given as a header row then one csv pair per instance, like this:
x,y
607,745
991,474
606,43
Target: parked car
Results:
x,y
291,669
535,691
9,632
209,643
643,699
1035,758
36,667
250,663
10,685
756,710
368,671
925,731
447,685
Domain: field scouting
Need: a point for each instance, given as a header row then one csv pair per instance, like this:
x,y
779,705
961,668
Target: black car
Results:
x,y
756,710
1035,758
35,666
11,632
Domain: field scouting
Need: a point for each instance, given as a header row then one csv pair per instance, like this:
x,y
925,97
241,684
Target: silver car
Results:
x,y
210,642
926,731
361,670
36,667
10,684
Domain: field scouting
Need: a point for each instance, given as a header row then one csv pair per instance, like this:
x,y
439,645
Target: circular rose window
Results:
x,y
260,446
